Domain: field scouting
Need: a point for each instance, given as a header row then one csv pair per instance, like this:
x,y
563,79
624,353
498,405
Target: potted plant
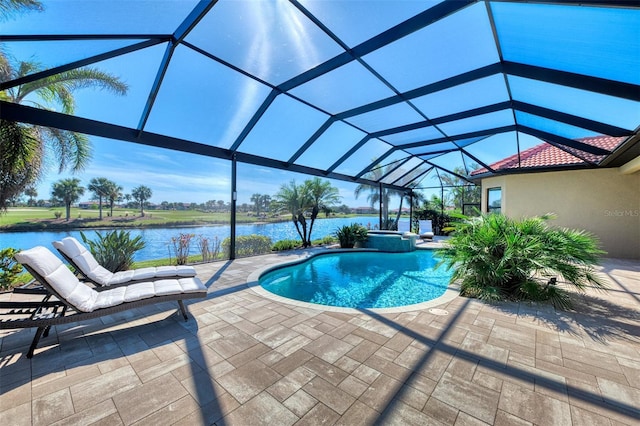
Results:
x,y
349,235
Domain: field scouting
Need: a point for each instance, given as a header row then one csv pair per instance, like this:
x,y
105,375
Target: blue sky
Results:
x,y
204,101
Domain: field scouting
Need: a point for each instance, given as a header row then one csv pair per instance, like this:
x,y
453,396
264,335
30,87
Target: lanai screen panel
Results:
x,y
331,88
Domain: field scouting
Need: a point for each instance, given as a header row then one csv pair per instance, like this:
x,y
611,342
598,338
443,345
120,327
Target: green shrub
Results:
x,y
329,239
9,268
286,245
115,249
500,258
57,214
247,245
349,235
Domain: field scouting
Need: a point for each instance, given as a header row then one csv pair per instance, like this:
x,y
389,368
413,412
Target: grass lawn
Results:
x,y
41,218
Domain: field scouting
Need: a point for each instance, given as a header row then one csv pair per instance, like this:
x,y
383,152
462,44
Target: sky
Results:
x,y
204,101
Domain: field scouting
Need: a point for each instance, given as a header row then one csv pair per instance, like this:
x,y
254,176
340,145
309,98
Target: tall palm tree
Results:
x,y
292,199
20,159
68,191
31,192
100,188
141,194
114,193
321,195
374,196
28,143
256,199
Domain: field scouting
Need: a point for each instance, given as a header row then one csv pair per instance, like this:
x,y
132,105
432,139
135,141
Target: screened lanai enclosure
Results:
x,y
403,96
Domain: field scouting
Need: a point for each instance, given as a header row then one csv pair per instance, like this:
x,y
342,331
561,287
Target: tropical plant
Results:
x,y
115,249
141,194
67,191
460,190
114,193
247,245
261,202
20,158
31,192
305,200
349,235
72,150
100,188
292,199
9,268
496,258
375,195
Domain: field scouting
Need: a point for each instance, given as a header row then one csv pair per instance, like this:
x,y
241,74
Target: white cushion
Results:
x,y
144,290
88,265
59,277
86,299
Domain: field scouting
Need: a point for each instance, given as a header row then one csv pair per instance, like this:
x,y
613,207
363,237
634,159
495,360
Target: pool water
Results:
x,y
361,279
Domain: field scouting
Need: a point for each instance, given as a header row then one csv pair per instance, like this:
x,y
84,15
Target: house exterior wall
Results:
x,y
604,202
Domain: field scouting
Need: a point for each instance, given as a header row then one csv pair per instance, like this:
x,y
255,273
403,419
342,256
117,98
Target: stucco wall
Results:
x,y
604,202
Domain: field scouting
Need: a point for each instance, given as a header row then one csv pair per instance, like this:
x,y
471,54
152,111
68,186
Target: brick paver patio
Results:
x,y
246,359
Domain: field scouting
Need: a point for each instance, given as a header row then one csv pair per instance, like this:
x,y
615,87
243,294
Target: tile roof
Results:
x,y
547,155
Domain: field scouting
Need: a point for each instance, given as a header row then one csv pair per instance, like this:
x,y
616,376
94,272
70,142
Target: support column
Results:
x,y
411,211
234,199
380,207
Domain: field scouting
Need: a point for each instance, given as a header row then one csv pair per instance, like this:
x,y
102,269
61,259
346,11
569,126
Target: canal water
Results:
x,y
158,240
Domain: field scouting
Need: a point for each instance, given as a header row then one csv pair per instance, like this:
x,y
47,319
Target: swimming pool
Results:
x,y
360,279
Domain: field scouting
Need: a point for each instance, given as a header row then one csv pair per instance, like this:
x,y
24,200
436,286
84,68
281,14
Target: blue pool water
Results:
x,y
361,279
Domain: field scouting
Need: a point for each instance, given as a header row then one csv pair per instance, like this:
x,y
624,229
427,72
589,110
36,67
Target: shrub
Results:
x,y
57,214
9,268
328,240
247,245
180,246
500,258
349,235
114,250
286,245
208,251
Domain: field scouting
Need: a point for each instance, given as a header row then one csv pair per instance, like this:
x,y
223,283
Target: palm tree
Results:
x,y
461,191
114,193
26,143
256,199
292,199
31,192
321,195
100,188
310,198
68,191
141,194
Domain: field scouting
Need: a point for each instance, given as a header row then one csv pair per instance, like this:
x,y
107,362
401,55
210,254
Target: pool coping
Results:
x,y
452,291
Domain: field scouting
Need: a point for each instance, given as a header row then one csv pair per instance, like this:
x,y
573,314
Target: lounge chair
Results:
x,y
426,230
404,226
85,302
89,269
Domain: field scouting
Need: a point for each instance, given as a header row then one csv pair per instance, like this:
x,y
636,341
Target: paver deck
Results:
x,y
245,359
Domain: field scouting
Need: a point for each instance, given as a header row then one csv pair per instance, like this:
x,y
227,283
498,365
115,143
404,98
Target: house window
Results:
x,y
494,200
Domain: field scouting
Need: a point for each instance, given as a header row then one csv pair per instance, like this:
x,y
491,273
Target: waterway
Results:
x,y
158,240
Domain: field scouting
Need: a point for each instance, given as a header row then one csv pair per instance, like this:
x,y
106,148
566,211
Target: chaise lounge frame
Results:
x,y
47,313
